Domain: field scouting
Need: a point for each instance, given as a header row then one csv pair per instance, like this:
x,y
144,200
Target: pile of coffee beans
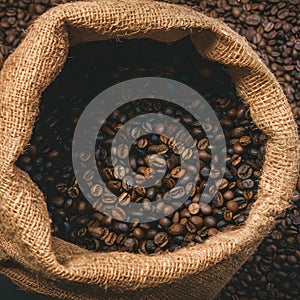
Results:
x,y
280,49
48,157
272,29
273,272
15,17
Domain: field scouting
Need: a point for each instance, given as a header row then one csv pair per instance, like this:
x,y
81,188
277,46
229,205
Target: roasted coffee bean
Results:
x,y
232,206
96,231
155,161
122,150
210,221
238,132
196,220
57,201
177,172
218,199
96,190
205,209
244,171
142,143
247,184
176,229
167,210
194,208
150,246
120,227
119,172
158,149
177,192
161,239
138,233
118,213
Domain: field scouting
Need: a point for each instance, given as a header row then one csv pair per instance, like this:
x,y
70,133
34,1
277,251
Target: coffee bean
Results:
x,y
96,190
150,246
161,239
206,209
210,221
155,161
244,171
118,213
176,229
177,172
194,208
138,233
253,20
158,149
177,192
247,184
142,143
57,201
196,220
122,150
218,199
120,227
96,231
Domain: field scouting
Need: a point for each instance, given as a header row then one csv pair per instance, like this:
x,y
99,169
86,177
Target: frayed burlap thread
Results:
x,y
40,263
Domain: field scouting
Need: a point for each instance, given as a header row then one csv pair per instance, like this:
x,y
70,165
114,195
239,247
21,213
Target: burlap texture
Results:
x,y
38,262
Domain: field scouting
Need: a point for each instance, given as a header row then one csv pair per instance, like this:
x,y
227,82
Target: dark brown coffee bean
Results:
x,y
244,171
73,192
172,162
57,201
142,143
118,213
245,141
253,20
138,233
228,195
238,132
96,231
158,149
124,199
120,227
161,239
204,155
238,148
218,199
151,233
165,223
210,221
205,208
110,239
177,192
167,210
247,184
130,244
114,185
222,183
196,220
176,229
155,160
232,206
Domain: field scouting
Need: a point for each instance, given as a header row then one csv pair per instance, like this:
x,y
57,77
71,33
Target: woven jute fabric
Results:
x,y
38,262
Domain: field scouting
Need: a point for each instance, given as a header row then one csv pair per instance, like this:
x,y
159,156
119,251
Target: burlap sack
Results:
x,y
38,262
